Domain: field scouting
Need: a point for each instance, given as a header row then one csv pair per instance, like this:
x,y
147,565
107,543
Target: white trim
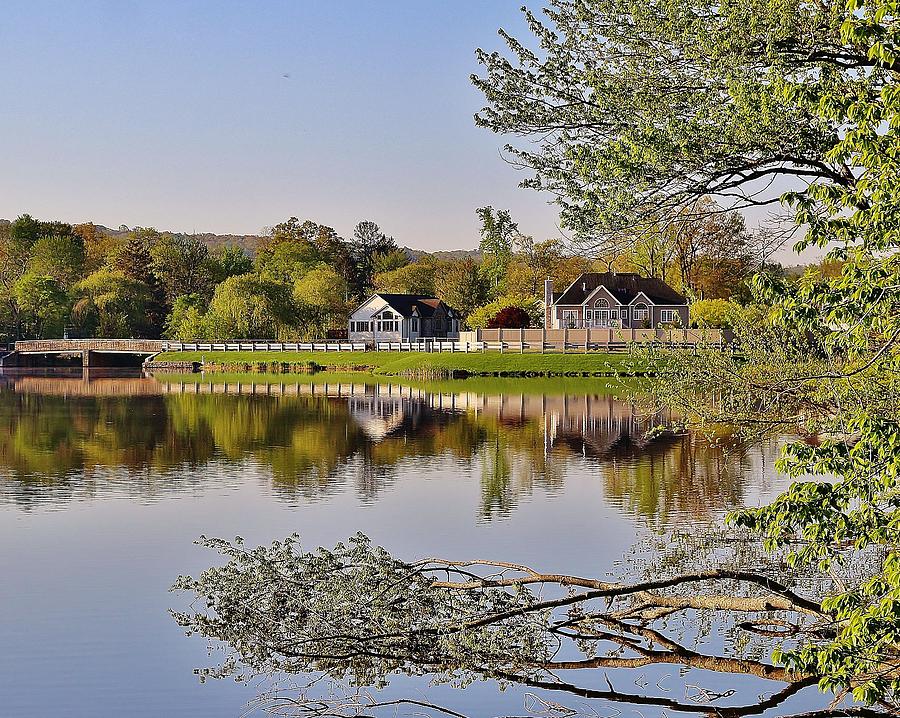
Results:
x,y
648,300
674,316
590,297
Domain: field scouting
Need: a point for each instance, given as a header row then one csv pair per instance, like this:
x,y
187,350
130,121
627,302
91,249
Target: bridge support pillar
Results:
x,y
86,358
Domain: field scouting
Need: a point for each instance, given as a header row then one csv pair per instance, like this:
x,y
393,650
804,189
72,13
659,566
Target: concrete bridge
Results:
x,y
93,352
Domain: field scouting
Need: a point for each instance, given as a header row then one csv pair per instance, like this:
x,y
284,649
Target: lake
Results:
x,y
106,481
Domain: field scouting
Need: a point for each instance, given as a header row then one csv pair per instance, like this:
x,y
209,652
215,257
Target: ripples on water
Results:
x,y
105,481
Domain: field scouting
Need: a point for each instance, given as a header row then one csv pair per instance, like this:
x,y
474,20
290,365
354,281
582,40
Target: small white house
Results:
x,y
402,317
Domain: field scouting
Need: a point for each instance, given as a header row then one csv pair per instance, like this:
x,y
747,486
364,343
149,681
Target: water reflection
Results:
x,y
61,438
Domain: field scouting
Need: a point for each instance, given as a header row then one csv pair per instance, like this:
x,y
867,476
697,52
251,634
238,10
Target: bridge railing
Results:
x,y
136,346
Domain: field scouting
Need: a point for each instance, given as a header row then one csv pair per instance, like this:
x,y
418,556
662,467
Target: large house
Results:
x,y
612,299
402,317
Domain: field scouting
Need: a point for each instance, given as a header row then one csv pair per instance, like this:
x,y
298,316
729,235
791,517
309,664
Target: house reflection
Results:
x,y
314,437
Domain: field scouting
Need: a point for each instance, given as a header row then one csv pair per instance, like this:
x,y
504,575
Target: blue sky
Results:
x,y
179,115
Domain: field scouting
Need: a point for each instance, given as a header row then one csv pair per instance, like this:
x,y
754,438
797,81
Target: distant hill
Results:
x,y
250,242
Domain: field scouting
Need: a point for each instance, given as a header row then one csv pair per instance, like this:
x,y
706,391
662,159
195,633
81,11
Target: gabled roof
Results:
x,y
623,286
404,304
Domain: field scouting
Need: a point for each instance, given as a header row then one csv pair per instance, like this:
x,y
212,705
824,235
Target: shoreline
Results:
x,y
410,364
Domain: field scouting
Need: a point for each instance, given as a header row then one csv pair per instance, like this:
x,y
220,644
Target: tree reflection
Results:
x,y
348,619
313,439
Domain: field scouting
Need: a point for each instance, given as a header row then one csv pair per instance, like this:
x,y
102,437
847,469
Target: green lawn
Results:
x,y
395,363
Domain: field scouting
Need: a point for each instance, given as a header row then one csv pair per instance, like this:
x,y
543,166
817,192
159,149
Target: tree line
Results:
x,y
304,279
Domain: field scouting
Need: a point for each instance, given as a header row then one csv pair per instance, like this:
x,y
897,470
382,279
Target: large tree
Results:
x,y
109,303
133,258
43,306
632,109
499,234
826,362
180,262
414,278
60,256
369,243
321,296
460,284
249,306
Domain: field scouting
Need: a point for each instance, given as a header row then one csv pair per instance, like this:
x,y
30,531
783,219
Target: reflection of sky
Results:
x,y
85,630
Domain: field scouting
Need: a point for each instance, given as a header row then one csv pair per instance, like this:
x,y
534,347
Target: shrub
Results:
x,y
480,317
510,318
717,313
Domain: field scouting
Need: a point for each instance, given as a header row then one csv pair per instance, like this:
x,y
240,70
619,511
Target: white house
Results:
x,y
402,317
612,299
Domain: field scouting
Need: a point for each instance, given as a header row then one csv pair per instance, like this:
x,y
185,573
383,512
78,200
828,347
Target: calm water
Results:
x,y
105,483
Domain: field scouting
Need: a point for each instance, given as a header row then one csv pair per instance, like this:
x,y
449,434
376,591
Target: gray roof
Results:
x,y
404,303
624,286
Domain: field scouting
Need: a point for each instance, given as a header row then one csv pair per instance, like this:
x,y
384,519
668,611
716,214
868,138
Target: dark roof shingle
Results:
x,y
623,286
404,303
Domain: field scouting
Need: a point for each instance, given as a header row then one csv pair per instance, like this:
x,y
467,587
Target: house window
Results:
x,y
414,324
569,318
669,316
359,326
601,303
641,313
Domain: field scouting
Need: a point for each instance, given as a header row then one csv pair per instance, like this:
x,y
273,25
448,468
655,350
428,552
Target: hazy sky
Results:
x,y
228,116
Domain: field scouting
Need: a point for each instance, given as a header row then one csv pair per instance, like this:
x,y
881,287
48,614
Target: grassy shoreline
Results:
x,y
419,363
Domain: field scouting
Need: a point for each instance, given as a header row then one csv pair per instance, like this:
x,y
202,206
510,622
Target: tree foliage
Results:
x,y
498,236
636,111
357,615
827,361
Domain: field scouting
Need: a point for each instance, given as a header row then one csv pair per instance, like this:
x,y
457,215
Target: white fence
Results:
x,y
496,340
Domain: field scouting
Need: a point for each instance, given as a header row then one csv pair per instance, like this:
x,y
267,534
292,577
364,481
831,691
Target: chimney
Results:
x,y
548,302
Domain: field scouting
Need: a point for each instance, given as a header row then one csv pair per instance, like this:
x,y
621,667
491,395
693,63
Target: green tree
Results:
x,y
60,256
249,306
180,263
185,321
828,360
321,294
529,305
25,230
286,261
369,243
228,260
43,305
111,304
498,236
134,260
461,285
633,111
718,313
389,261
414,278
